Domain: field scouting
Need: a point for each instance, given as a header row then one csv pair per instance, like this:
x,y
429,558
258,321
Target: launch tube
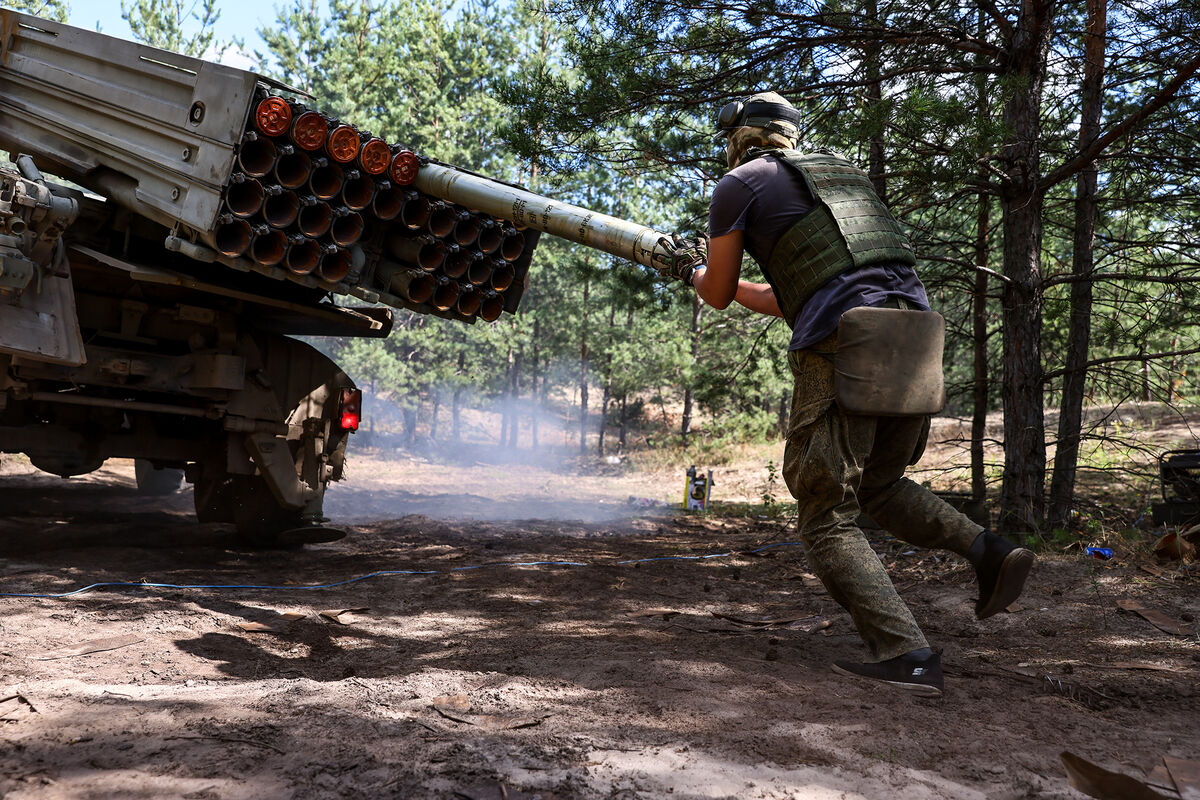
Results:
x,y
303,257
502,276
347,228
315,220
490,238
468,300
415,212
513,246
491,306
270,248
411,284
423,251
466,231
388,203
233,238
281,210
479,271
334,266
326,180
244,199
457,264
256,156
293,170
445,295
358,193
618,237
441,219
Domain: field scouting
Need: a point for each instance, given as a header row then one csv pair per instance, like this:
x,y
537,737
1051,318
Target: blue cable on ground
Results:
x,y
384,573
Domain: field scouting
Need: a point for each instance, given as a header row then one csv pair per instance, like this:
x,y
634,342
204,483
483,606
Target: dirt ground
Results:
x,y
466,671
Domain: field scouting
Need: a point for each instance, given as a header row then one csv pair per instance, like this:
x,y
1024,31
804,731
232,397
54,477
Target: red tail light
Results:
x,y
273,116
351,409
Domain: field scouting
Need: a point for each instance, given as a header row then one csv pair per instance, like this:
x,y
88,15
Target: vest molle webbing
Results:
x,y
849,228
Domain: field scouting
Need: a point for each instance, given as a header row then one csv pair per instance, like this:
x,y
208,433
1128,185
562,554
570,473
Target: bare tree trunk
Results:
x,y
1023,496
456,401
1070,419
583,370
603,418
505,404
433,422
534,397
876,165
979,316
689,396
979,337
624,422
514,399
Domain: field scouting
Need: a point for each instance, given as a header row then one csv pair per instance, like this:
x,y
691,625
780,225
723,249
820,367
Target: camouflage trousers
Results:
x,y
837,464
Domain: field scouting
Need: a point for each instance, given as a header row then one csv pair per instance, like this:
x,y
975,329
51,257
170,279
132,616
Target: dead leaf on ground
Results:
x,y
1100,783
764,622
343,616
1145,665
457,707
1174,547
1155,617
1186,776
665,613
91,646
15,706
279,623
452,702
1014,608
498,791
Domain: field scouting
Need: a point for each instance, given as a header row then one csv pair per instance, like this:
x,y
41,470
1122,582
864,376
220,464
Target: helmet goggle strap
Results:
x,y
756,113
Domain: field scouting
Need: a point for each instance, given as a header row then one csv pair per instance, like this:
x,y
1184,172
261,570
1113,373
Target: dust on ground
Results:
x,y
589,677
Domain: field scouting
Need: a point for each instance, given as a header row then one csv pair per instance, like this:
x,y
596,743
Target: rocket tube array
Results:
x,y
315,196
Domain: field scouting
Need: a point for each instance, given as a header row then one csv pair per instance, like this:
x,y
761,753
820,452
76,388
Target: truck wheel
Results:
x,y
154,481
257,514
213,498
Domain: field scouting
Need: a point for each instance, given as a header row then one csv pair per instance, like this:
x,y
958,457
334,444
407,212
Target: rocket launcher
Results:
x,y
242,177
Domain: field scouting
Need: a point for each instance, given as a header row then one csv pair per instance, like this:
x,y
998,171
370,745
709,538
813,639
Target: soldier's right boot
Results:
x,y
1001,569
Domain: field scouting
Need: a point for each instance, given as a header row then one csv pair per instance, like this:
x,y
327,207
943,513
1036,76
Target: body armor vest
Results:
x,y
848,228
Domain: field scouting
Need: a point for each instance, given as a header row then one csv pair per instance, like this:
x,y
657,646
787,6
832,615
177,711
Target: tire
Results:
x,y
257,514
156,482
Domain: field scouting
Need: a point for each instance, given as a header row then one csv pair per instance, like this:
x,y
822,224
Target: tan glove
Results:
x,y
685,257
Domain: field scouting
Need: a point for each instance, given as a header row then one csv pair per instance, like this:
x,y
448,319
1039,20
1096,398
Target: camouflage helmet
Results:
x,y
763,120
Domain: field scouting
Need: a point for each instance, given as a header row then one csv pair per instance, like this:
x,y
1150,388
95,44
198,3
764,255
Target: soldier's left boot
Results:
x,y
1001,569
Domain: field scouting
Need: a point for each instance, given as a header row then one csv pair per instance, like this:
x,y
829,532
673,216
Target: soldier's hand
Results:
x,y
685,256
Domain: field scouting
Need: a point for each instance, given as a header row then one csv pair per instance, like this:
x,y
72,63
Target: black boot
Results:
x,y
1001,569
918,672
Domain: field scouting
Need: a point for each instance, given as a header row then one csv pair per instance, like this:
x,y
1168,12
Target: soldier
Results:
x,y
865,355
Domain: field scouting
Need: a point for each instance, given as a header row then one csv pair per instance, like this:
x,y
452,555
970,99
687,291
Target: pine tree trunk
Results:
x,y
689,397
514,398
534,397
1023,496
624,423
433,422
456,402
604,399
505,414
980,346
1070,419
583,371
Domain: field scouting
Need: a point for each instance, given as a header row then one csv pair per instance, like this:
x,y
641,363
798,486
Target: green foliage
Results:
x,y
169,25
57,10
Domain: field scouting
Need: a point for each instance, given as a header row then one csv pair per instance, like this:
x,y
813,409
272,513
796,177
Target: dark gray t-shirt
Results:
x,y
763,198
